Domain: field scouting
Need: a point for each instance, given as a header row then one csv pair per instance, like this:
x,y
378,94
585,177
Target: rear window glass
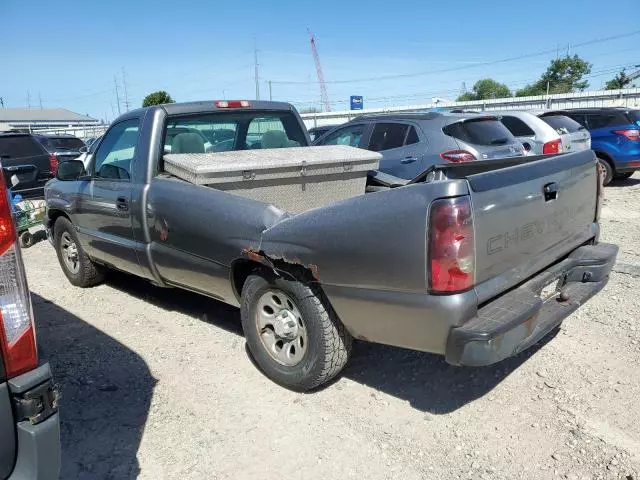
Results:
x,y
603,120
65,143
19,146
479,132
223,132
517,127
634,115
562,124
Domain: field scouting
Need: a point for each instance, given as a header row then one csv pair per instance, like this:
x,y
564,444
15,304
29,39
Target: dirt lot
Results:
x,y
157,384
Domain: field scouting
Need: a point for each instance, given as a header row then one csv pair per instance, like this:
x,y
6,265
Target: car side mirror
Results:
x,y
70,170
527,146
83,149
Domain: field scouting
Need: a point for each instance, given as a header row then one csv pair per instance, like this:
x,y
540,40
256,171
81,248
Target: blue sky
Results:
x,y
68,52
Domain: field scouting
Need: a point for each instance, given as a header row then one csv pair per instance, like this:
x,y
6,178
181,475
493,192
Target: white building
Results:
x,y
31,119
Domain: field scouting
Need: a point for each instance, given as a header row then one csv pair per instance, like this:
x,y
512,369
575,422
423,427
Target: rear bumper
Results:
x,y
38,441
520,318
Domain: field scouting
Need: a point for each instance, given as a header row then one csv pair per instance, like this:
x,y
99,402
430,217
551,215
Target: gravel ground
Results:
x,y
157,384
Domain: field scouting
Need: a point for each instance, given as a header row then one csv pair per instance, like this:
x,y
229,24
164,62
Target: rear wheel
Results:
x,y
75,263
26,239
292,332
606,171
623,176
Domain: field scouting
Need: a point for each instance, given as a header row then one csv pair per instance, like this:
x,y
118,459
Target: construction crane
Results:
x,y
324,96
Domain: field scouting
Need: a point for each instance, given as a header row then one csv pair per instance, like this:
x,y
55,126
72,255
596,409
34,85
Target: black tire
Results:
x,y
623,176
26,239
328,342
607,169
88,273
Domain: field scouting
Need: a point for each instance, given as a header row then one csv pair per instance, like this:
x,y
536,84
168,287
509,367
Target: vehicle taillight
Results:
x,y
552,147
232,104
451,246
457,156
17,332
53,164
633,134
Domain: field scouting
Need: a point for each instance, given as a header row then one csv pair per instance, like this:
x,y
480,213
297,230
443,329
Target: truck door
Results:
x,y
104,209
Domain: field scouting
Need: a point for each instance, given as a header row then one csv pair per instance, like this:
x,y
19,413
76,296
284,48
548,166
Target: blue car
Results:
x,y
615,138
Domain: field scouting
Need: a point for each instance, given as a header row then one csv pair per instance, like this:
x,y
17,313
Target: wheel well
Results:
x,y
242,268
53,216
607,157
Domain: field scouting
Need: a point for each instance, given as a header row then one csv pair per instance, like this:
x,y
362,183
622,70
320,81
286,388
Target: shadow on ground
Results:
x,y
627,182
426,381
106,393
172,299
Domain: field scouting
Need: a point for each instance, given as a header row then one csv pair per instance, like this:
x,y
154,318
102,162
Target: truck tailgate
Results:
x,y
530,215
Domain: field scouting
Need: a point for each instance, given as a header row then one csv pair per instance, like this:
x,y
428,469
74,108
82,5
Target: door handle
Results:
x,y
409,159
122,204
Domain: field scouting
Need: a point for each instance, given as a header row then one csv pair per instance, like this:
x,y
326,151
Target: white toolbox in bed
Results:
x,y
293,179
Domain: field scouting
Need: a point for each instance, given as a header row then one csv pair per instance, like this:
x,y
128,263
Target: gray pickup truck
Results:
x,y
474,261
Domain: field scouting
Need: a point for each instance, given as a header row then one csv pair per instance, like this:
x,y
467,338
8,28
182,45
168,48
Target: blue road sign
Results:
x,y
356,102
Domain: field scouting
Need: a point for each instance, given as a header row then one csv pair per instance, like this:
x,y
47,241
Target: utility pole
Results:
x,y
115,81
40,100
126,96
28,99
2,102
270,91
255,58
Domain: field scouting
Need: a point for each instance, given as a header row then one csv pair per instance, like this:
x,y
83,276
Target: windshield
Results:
x,y
562,124
222,132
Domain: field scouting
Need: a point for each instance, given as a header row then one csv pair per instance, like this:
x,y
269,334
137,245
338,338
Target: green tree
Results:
x,y
157,98
486,88
564,75
621,80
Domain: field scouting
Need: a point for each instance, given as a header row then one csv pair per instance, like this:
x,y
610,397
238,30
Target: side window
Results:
x,y
578,117
116,152
517,127
350,135
600,121
412,136
386,136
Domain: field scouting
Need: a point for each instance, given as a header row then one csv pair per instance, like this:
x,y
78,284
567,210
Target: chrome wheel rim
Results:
x,y
69,253
281,327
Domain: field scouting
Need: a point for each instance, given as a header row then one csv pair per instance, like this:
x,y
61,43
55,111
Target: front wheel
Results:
x,y
75,263
292,332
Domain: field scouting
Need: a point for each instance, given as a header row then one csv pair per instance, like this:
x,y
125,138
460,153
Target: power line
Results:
x,y
464,67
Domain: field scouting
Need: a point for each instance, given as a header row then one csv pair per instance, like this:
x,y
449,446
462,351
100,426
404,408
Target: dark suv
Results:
x,y
29,422
64,147
615,137
412,142
20,153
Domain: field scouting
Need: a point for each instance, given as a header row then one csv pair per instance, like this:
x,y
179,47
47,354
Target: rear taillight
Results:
x,y
457,156
17,333
53,164
232,104
632,134
552,147
451,246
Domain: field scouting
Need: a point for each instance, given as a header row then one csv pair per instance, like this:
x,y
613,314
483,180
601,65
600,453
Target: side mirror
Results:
x,y
70,170
527,146
83,149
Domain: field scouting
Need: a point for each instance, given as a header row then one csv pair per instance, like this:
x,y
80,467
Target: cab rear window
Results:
x,y
223,132
479,132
